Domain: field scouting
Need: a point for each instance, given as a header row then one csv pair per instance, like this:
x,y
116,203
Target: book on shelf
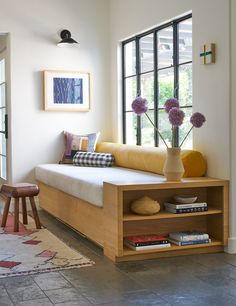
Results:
x,y
147,247
190,205
144,240
148,242
188,236
186,210
190,242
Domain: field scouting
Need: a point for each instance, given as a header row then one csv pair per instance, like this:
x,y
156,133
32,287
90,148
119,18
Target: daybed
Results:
x,y
88,200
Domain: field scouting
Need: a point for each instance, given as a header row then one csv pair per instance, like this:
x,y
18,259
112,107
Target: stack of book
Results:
x,y
189,237
185,208
146,242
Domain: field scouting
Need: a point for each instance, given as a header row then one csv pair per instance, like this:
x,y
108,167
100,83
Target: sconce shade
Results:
x,y
66,39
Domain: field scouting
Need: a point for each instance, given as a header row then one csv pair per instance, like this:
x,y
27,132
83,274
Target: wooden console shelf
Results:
x,y
167,215
128,251
121,222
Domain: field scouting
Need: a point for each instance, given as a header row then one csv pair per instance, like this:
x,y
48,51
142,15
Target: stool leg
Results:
x,y
16,215
35,213
24,211
5,212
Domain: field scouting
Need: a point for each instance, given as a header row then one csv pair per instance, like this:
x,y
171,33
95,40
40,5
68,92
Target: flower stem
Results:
x,y
186,136
157,130
173,137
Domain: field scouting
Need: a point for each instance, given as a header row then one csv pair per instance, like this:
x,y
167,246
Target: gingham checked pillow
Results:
x,y
92,159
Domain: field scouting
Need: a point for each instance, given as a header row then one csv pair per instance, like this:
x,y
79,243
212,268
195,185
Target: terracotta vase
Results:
x,y
173,168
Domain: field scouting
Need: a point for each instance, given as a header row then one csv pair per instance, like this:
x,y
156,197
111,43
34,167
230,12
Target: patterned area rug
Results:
x,y
31,251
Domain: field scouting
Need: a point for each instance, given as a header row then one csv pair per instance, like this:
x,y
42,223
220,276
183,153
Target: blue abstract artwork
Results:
x,y
68,90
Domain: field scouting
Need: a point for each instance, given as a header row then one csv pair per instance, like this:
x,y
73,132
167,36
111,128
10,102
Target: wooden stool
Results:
x,y
16,191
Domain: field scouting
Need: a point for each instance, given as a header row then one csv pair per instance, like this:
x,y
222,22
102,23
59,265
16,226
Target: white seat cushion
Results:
x,y
86,183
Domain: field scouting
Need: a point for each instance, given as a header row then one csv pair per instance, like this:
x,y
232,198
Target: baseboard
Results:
x,y
231,248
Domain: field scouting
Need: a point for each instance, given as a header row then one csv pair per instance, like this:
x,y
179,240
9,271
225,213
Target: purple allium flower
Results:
x,y
170,103
139,105
176,116
197,120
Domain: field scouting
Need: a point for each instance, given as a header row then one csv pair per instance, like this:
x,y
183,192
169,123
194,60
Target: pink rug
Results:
x,y
31,251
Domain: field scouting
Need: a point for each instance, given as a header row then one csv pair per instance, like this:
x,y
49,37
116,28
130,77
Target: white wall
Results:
x,y
34,26
210,82
232,241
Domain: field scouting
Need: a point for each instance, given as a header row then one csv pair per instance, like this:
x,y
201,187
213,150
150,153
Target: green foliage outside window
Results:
x,y
166,92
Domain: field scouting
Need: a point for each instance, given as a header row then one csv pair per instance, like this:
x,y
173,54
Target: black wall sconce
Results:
x,y
67,40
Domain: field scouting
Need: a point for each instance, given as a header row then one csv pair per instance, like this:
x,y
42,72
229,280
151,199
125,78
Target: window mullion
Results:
x,y
156,113
176,73
123,94
139,122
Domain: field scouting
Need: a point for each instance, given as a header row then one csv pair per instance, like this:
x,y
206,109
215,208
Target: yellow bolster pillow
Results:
x,y
194,163
152,159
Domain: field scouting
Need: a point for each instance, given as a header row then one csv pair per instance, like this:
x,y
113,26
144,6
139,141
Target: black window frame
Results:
x,y
174,23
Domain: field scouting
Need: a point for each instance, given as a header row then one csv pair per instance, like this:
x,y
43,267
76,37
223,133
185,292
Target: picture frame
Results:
x,y
66,91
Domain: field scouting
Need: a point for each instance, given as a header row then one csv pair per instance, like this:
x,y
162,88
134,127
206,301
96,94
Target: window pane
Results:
x,y
146,53
131,92
2,119
3,144
3,167
165,47
166,85
148,130
164,127
147,88
2,95
130,58
184,128
185,41
185,85
2,71
131,127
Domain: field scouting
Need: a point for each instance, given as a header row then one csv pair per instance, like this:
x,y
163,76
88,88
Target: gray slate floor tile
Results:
x,y
102,295
142,298
218,280
16,281
3,292
5,301
80,302
4,298
38,302
49,281
193,286
216,300
64,295
31,292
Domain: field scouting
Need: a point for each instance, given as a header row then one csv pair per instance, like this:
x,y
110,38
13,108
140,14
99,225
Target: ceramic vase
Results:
x,y
173,168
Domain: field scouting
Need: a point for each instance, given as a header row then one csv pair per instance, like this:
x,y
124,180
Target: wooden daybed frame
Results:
x,y
107,226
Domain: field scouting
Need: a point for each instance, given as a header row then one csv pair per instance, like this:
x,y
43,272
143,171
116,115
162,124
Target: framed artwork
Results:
x,y
207,54
66,91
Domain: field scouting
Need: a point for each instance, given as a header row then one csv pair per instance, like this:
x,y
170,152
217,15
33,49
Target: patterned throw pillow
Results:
x,y
92,159
77,143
